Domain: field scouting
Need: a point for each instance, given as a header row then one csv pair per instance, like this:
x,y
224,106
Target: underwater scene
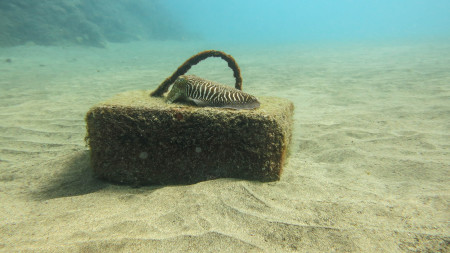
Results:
x,y
293,126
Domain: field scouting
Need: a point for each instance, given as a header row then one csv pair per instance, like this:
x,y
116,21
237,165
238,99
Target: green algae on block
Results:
x,y
140,140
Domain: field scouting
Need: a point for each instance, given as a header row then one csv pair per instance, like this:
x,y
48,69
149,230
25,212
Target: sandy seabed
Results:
x,y
368,171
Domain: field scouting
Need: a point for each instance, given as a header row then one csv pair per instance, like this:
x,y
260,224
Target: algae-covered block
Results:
x,y
137,139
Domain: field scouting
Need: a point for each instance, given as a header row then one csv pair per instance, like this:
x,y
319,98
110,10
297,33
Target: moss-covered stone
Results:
x,y
138,139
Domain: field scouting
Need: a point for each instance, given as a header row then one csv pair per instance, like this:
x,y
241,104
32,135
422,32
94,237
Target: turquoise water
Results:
x,y
312,20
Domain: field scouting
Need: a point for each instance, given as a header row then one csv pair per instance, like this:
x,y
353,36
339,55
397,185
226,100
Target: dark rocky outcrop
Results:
x,y
84,22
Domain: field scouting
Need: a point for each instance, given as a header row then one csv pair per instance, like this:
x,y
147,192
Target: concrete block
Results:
x,y
137,139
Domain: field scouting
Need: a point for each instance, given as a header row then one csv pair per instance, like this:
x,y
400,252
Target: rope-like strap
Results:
x,y
164,86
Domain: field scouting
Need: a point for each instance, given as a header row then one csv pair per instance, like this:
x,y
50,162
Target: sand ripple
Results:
x,y
368,172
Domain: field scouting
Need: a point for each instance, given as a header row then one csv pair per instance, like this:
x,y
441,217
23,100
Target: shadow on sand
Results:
x,y
75,178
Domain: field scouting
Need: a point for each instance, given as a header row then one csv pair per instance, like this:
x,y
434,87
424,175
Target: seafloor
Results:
x,y
368,171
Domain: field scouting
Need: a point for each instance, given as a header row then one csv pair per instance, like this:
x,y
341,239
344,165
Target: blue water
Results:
x,y
313,20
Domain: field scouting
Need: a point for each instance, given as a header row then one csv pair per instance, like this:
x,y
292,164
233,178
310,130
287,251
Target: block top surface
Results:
x,y
141,100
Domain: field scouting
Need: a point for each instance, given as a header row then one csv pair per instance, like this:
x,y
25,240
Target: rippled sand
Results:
x,y
368,171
